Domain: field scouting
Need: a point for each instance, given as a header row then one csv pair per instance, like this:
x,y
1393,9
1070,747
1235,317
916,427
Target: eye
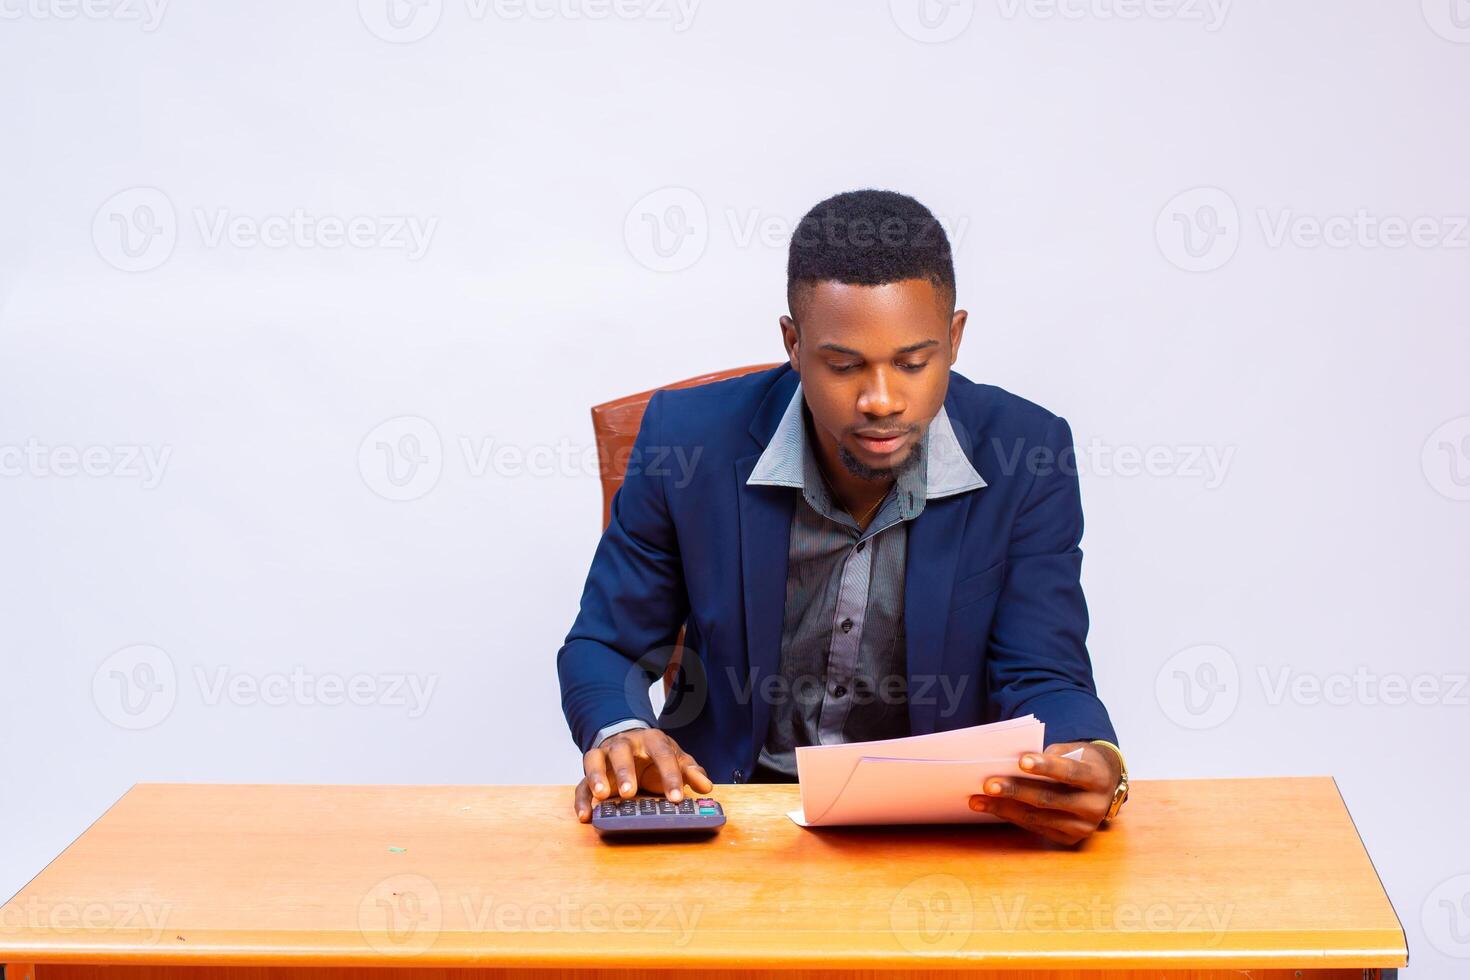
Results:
x,y
842,368
914,367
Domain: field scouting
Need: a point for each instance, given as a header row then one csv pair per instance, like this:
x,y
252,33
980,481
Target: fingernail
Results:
x,y
1029,762
676,796
977,803
626,788
599,787
993,789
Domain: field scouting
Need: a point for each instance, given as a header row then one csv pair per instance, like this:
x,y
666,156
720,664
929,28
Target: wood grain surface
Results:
x,y
1200,875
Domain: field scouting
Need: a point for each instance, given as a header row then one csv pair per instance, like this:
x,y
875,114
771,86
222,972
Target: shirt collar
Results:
x,y
788,459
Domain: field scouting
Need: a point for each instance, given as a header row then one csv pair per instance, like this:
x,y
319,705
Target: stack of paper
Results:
x,y
919,779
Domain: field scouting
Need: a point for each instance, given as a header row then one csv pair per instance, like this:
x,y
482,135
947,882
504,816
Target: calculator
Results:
x,y
654,816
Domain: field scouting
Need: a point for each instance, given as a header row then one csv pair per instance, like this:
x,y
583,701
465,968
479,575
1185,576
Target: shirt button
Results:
x,y
861,544
839,690
846,625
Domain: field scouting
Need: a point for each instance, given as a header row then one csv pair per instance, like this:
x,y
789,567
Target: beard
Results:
x,y
863,471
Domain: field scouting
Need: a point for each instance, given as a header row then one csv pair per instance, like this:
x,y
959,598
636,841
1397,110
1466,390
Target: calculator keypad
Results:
x,y
656,815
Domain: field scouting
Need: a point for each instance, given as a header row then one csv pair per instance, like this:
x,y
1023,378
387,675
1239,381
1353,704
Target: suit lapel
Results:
x,y
765,536
933,552
929,573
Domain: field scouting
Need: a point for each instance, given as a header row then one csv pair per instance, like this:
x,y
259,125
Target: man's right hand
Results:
x,y
642,757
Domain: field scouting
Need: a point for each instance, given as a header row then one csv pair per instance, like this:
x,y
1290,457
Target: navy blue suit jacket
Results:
x,y
995,618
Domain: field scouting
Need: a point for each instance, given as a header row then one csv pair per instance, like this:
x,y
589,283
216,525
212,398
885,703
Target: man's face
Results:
x,y
874,364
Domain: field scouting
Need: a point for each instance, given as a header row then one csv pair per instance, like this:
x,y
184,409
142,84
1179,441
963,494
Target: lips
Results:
x,y
881,445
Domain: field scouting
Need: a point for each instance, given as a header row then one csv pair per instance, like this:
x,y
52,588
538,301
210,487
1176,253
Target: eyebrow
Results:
x,y
839,349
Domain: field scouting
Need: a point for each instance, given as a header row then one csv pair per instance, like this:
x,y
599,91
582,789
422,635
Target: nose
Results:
x,y
879,397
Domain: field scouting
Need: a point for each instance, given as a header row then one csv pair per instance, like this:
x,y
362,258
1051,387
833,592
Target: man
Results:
x,y
862,544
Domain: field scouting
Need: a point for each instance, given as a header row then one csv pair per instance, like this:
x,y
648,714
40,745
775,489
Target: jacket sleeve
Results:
x,y
1038,662
633,603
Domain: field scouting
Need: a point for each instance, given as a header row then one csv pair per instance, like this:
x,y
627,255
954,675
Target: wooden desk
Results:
x,y
1197,879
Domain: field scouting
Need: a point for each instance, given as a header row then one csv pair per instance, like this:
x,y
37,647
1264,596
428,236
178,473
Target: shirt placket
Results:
x,y
847,636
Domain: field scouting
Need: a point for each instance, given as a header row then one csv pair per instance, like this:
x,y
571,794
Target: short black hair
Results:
x,y
868,238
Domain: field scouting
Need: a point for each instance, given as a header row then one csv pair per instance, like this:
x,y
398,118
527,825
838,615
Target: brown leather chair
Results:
x,y
615,426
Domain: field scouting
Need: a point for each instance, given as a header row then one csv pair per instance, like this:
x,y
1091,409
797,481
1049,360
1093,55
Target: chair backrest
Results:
x,y
615,426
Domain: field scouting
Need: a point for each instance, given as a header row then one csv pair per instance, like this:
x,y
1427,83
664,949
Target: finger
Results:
x,y
625,772
1074,772
1044,795
1047,823
582,802
694,774
1050,824
667,763
594,770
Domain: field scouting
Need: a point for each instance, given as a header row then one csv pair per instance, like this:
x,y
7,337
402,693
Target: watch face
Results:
x,y
1120,796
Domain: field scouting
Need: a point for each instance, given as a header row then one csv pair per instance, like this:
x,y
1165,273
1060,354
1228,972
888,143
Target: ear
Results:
x,y
791,338
956,333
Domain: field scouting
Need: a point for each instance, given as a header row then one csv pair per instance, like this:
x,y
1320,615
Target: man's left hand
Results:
x,y
1065,808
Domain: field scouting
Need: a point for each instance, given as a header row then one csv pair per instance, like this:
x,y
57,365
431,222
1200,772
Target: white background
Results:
x,y
540,152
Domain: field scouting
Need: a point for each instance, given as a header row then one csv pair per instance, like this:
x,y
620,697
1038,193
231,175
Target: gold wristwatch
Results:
x,y
1120,795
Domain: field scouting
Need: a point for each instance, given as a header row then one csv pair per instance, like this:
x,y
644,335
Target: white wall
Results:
x,y
1330,535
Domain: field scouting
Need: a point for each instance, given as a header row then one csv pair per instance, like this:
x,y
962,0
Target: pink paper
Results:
x,y
918,779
